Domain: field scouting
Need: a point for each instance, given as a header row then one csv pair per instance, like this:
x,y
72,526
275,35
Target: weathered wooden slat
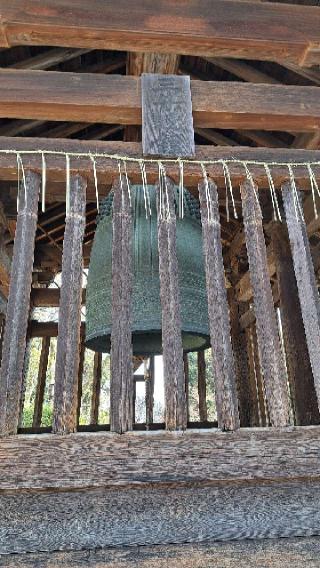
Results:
x,y
253,386
167,125
174,381
222,355
202,387
72,97
67,358
18,306
41,384
186,380
105,459
247,30
93,519
272,362
234,554
121,387
305,277
107,170
299,371
262,403
96,387
49,297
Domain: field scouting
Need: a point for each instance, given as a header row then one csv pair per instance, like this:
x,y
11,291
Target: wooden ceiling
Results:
x,y
286,49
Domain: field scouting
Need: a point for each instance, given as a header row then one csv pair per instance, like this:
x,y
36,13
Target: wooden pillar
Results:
x,y
202,387
96,388
149,384
253,394
240,352
174,382
305,277
82,351
67,358
262,403
272,363
222,355
121,387
41,383
18,306
299,370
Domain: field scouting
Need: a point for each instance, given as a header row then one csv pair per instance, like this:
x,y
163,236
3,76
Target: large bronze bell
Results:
x,y
146,307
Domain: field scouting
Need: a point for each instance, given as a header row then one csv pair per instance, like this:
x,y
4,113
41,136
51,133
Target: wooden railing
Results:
x,y
271,388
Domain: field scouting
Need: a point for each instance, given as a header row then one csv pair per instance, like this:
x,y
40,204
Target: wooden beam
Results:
x,y
149,383
219,322
107,170
243,70
174,380
49,297
268,339
11,374
210,28
82,352
202,387
305,277
76,97
121,386
67,358
48,59
46,329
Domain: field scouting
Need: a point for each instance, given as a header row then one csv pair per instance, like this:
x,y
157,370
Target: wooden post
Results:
x,y
240,352
272,363
96,387
18,306
67,358
253,394
41,383
262,403
174,381
305,277
299,370
222,355
202,387
82,351
121,387
149,384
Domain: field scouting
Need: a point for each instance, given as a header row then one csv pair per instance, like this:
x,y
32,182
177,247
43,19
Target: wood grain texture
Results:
x,y
63,520
104,459
76,97
300,377
217,28
272,362
121,386
173,371
275,553
167,124
67,358
219,322
107,170
41,383
305,277
82,352
14,343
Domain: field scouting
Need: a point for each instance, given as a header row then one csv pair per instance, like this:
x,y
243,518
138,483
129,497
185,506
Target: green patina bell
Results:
x,y
146,307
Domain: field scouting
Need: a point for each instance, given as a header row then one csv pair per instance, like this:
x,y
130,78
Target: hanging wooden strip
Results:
x,y
272,362
300,377
305,277
222,355
14,343
121,387
82,350
174,381
167,122
96,387
41,383
67,359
